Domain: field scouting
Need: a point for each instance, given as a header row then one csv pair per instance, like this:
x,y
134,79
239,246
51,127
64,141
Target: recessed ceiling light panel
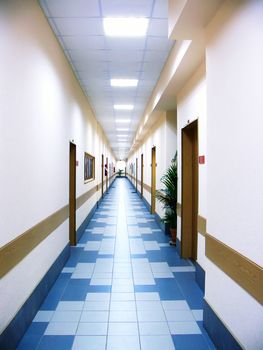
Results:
x,y
124,107
124,82
122,129
125,26
122,120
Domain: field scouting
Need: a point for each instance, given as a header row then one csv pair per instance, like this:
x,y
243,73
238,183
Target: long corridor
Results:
x,y
123,287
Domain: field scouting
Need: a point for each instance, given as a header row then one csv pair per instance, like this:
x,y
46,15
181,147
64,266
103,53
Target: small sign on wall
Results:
x,y
77,163
201,159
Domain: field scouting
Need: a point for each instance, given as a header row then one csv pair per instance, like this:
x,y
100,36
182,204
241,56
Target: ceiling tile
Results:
x,y
155,56
125,56
124,44
79,26
99,67
160,9
158,27
88,55
128,8
75,42
125,67
96,58
70,8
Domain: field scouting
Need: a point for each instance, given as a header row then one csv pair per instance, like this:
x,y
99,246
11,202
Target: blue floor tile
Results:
x,y
32,336
190,342
58,342
66,289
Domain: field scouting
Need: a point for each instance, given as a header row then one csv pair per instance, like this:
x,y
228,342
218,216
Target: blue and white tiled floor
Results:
x,y
123,287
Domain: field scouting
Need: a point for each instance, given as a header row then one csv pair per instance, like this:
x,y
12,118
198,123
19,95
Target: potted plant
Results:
x,y
168,197
120,172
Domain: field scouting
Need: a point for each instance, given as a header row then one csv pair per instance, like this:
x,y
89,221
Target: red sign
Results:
x,y
201,159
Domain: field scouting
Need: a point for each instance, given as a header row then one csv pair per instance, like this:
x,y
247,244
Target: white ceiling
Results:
x,y
96,58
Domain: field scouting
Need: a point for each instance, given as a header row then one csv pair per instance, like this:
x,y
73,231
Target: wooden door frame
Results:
x,y
107,176
136,175
72,194
189,213
102,174
142,175
153,180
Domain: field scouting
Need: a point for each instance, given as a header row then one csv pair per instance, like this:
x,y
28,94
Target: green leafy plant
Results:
x,y
168,195
120,172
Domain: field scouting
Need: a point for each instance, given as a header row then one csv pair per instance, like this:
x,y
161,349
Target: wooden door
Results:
x,y
102,174
142,175
72,194
153,183
189,190
136,174
107,174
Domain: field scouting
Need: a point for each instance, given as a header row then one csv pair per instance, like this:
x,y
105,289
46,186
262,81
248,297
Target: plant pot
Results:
x,y
173,235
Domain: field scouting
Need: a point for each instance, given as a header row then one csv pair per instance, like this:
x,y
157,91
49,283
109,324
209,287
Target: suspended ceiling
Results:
x,y
96,58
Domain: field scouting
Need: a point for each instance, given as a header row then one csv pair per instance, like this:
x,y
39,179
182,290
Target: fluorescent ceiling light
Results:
x,y
125,26
122,120
124,82
122,129
124,107
124,135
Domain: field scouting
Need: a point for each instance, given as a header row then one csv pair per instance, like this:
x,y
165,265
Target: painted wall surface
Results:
x,y
42,108
191,106
234,170
162,135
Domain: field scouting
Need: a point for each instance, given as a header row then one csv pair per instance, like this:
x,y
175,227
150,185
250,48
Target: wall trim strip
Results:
x,y
243,271
11,336
16,250
84,197
147,187
13,252
201,225
179,209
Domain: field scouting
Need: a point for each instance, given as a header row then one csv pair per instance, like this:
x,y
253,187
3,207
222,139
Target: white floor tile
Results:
x,y
97,305
154,328
182,268
198,315
66,316
95,328
128,328
175,305
70,305
122,296
151,316
151,342
94,316
179,315
98,296
61,328
89,342
147,296
127,342
43,316
122,306
120,316
149,305
184,328
100,282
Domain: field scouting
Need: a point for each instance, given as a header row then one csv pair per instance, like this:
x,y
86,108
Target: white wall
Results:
x,y
162,135
41,108
191,105
234,167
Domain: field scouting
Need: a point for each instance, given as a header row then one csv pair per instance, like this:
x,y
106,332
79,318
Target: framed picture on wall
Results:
x,y
89,167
